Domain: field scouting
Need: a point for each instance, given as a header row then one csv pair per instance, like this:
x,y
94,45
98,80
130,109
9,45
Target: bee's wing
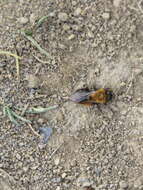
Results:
x,y
80,96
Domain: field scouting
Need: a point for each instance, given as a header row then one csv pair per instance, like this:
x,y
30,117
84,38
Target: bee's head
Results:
x,y
109,94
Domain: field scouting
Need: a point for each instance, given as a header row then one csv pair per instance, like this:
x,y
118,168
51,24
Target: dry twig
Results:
x,y
35,132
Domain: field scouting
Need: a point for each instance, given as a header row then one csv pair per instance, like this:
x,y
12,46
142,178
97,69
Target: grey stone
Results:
x,y
56,180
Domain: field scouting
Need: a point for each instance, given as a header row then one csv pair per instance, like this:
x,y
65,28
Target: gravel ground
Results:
x,y
94,43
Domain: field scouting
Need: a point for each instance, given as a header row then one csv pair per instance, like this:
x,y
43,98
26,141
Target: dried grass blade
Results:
x,y
19,117
16,59
41,110
4,111
36,45
41,20
10,115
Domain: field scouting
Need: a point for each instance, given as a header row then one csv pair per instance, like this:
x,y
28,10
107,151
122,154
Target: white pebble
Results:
x,y
66,27
123,184
90,34
64,175
33,18
22,20
77,12
57,161
116,3
71,37
63,16
106,15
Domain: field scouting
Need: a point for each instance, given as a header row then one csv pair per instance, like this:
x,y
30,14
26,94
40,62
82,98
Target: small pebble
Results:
x,y
63,16
116,3
25,168
86,184
41,146
56,180
83,182
137,71
40,120
33,18
76,27
97,171
23,20
139,182
34,167
66,27
33,81
90,34
106,15
52,14
71,37
64,175
123,184
57,161
58,188
74,3
59,116
77,12
61,46
18,156
124,111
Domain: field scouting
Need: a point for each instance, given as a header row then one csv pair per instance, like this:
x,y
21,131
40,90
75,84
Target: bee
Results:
x,y
91,97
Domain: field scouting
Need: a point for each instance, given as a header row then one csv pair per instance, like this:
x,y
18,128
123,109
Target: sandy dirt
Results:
x,y
91,43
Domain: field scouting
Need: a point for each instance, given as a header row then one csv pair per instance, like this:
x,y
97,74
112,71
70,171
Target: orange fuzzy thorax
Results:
x,y
99,96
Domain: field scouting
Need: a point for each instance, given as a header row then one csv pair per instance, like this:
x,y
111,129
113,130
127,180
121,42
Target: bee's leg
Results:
x,y
109,94
86,103
99,108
